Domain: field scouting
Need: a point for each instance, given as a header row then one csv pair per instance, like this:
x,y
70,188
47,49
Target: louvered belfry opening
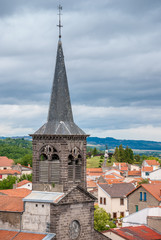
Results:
x,y
49,165
74,167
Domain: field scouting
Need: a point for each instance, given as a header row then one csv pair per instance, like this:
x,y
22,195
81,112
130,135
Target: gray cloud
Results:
x,y
112,53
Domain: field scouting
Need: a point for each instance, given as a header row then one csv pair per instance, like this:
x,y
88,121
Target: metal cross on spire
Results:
x,y
60,26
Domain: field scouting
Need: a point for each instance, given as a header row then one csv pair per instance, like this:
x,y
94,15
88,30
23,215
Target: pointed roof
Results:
x,y
60,117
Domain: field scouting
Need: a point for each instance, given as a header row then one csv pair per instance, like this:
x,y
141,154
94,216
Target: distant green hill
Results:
x,y
102,142
134,144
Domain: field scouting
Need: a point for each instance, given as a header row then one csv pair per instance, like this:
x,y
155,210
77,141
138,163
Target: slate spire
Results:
x,y
60,117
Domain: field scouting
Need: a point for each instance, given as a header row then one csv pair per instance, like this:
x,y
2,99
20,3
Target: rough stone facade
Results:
x,y
10,220
155,223
76,206
134,200
65,147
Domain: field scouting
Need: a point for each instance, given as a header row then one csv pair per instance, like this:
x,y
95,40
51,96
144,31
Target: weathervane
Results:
x,y
60,26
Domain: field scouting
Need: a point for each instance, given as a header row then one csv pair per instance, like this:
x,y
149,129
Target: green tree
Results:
x,y
144,181
8,182
101,219
94,152
116,154
121,153
25,177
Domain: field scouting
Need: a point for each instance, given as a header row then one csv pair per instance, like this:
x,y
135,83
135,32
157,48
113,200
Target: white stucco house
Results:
x,y
112,198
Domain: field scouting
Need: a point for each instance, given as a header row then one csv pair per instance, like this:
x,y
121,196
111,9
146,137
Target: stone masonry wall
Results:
x,y
10,220
155,222
63,215
134,199
63,145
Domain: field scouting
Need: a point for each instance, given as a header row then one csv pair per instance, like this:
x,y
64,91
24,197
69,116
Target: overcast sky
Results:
x,y
112,53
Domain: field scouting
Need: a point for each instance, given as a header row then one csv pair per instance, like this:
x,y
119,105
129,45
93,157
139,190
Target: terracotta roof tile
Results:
x,y
111,181
11,204
9,172
8,235
137,233
147,169
94,170
5,162
154,189
91,184
152,162
20,184
134,173
95,174
27,236
20,192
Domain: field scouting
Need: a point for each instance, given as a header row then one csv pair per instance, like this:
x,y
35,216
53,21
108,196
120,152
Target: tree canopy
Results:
x,y
102,220
123,155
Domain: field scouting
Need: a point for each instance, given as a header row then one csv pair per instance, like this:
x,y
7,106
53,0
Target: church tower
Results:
x,y
59,146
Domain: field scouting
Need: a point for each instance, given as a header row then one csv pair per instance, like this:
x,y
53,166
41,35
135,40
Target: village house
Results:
x,y
6,163
23,184
9,172
149,166
112,198
145,195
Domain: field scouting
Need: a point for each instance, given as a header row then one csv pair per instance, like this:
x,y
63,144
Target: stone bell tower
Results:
x,y
59,146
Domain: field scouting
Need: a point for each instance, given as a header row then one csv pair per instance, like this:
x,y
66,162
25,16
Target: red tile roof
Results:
x,y
153,189
94,170
134,173
137,233
95,174
5,162
91,184
9,172
122,166
11,204
152,162
20,192
111,181
147,169
8,235
20,184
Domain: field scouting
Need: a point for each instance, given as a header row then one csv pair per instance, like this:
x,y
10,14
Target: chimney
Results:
x,y
29,165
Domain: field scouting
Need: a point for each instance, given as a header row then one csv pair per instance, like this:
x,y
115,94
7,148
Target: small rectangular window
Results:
x,y
43,205
100,200
104,201
115,215
147,173
141,196
144,196
121,201
136,208
36,205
